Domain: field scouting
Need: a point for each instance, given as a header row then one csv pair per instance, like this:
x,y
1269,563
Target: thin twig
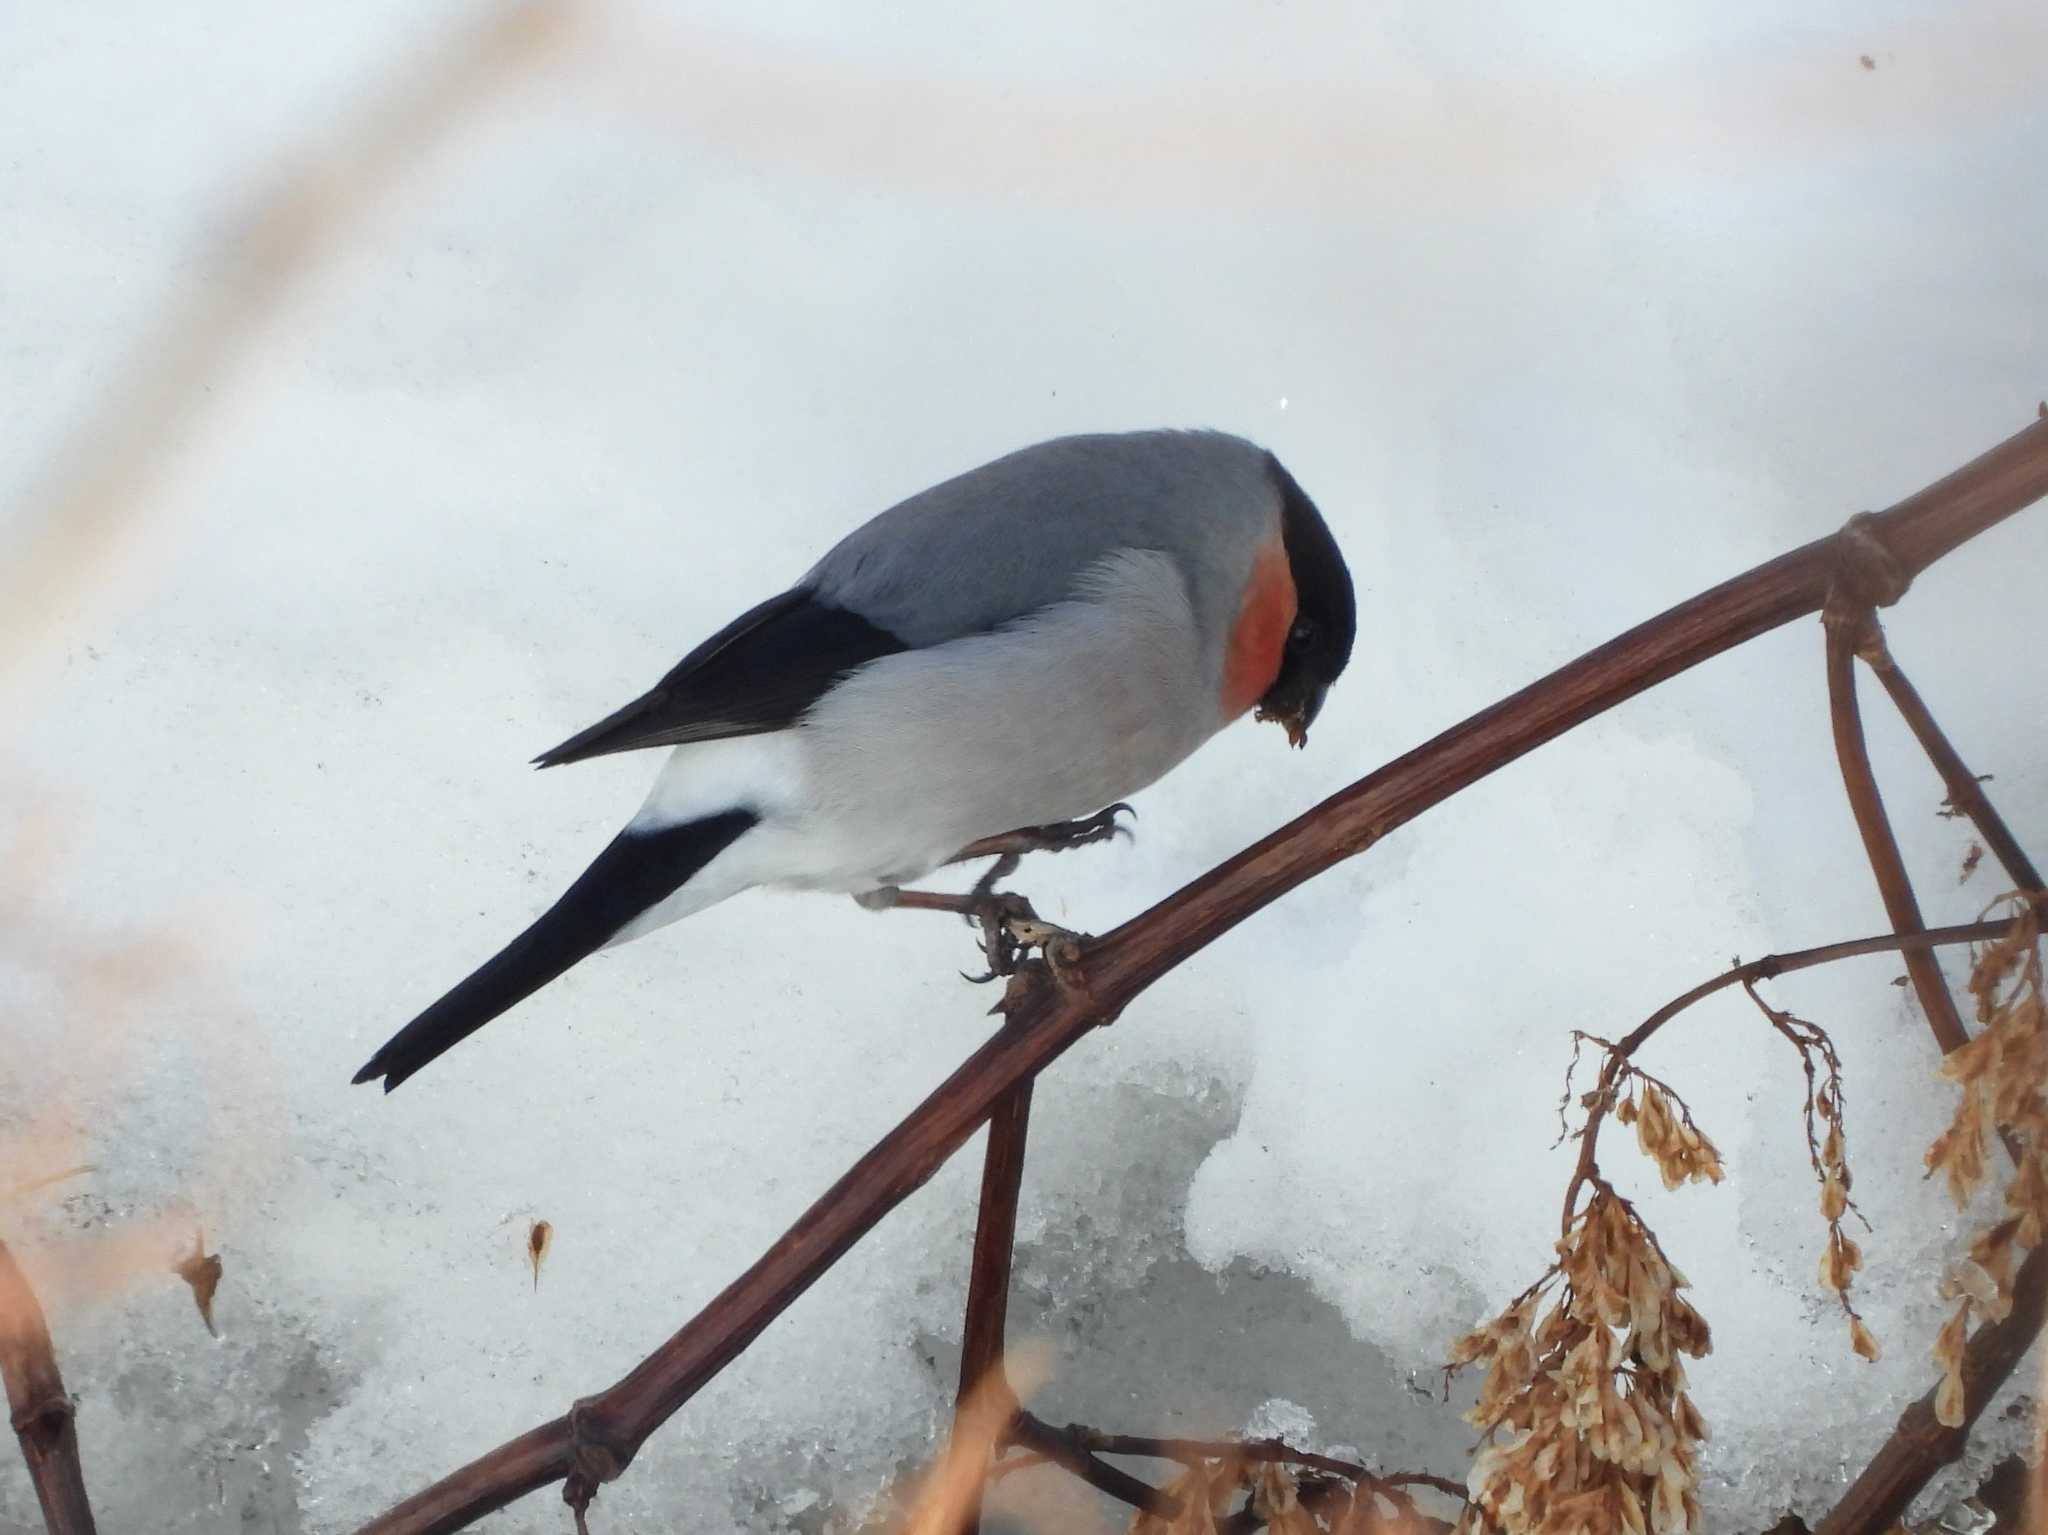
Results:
x,y
1763,969
995,1234
1048,1016
1846,631
93,495
1965,789
39,1405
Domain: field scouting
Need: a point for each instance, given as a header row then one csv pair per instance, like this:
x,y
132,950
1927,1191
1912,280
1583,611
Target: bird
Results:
x,y
1015,646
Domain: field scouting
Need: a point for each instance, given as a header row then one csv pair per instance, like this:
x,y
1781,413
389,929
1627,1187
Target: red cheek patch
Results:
x,y
1264,616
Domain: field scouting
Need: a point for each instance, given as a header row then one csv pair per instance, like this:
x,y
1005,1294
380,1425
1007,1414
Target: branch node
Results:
x,y
43,1418
1867,573
596,1449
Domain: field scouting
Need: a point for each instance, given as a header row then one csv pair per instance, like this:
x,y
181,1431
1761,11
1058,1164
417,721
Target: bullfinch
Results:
x,y
1019,645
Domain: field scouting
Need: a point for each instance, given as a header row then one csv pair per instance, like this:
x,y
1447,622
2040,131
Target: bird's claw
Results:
x,y
1059,836
1053,837
1010,930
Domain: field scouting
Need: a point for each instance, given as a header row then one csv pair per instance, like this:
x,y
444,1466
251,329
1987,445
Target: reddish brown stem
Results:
x,y
1920,1445
1965,791
995,1235
1048,1018
39,1405
1846,630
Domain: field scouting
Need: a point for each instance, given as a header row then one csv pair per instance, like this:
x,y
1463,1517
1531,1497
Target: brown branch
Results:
x,y
1744,975
995,1235
1077,1448
1275,1451
39,1405
1847,629
1065,1450
1920,1446
602,1433
1965,790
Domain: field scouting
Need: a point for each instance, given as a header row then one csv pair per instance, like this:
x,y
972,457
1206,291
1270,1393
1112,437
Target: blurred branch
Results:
x,y
39,1405
92,495
1048,1014
35,1185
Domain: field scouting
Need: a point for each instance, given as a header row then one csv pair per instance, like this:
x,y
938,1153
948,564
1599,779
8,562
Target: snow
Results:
x,y
1560,313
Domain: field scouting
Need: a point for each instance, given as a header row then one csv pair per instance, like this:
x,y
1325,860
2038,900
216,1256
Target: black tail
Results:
x,y
635,872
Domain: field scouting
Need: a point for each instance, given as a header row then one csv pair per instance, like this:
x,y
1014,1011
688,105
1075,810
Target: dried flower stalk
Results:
x,y
1827,1150
2003,1076
1585,1408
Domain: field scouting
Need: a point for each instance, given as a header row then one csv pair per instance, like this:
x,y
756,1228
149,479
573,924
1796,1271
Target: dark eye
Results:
x,y
1302,632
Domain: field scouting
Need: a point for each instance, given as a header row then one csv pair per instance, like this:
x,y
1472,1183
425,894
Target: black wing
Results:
x,y
759,673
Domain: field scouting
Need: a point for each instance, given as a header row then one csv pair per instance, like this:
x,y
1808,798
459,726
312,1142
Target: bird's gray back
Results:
x,y
1016,535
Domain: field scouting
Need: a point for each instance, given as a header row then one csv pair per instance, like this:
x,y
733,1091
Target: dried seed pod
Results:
x,y
1834,1197
1967,1277
540,1236
201,1270
1948,1343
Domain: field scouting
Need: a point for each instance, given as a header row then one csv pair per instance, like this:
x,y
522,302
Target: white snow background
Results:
x,y
1560,312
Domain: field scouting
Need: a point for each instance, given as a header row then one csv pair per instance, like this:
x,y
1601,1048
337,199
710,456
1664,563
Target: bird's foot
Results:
x,y
1010,928
1053,837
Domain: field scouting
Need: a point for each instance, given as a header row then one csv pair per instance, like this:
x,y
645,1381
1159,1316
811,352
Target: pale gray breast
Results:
x,y
1081,704
1017,534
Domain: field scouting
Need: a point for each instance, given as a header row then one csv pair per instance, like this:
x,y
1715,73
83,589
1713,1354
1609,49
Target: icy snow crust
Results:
x,y
1560,318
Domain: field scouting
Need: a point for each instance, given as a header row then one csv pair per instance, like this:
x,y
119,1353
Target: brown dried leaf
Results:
x,y
1276,1499
2027,1197
1834,1197
1203,1492
1959,1150
201,1270
540,1236
1832,1274
1967,1277
1480,1343
1948,1344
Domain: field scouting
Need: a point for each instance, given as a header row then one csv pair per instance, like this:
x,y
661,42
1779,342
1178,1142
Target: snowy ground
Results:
x,y
1560,313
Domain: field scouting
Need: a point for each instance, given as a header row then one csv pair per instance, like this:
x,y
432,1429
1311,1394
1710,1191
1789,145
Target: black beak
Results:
x,y
1311,706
